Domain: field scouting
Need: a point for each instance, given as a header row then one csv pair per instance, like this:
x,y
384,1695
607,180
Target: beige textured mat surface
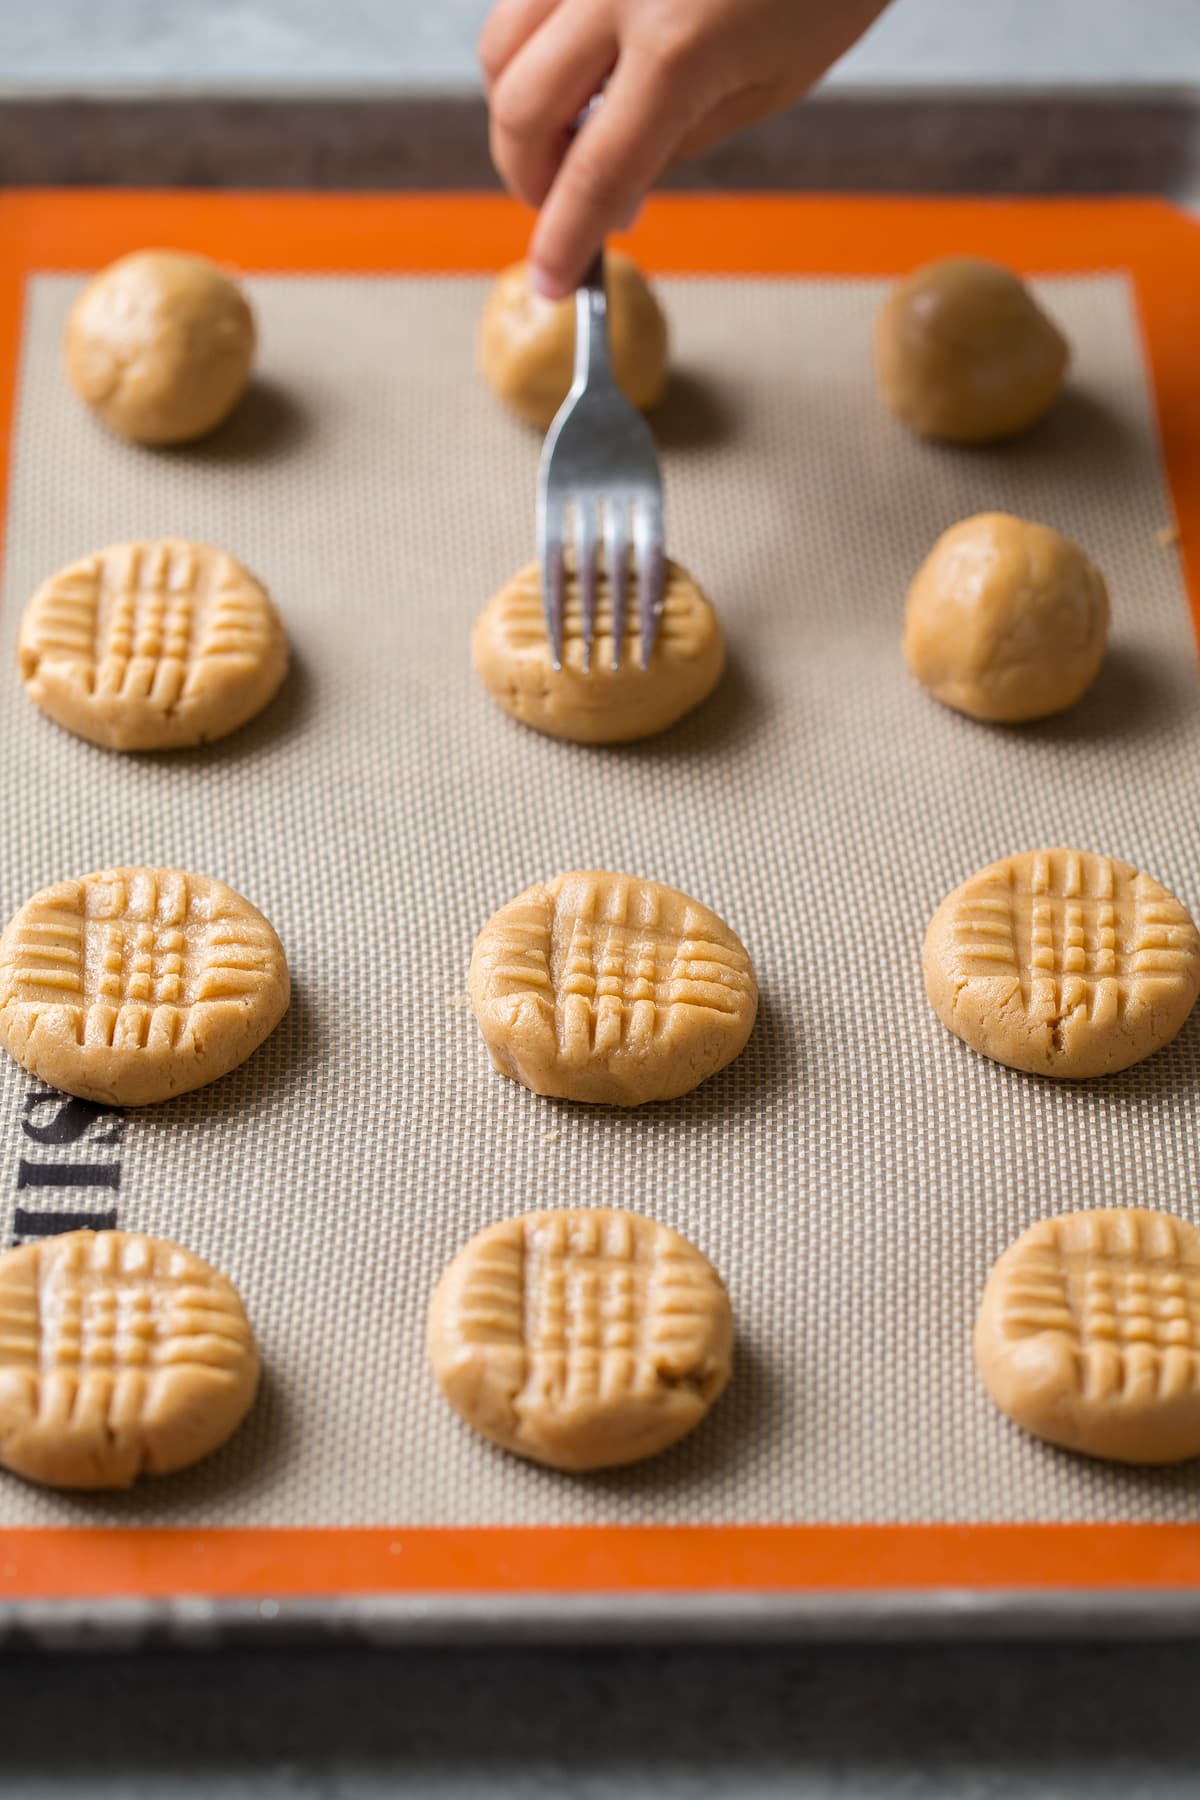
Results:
x,y
856,1171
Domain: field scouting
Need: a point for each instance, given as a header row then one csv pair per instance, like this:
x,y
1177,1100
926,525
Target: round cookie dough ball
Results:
x,y
527,344
498,1313
1006,620
610,990
600,704
122,1356
1085,1326
1062,963
133,985
156,645
160,345
963,352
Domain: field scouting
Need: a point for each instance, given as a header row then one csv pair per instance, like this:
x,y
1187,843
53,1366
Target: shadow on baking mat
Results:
x,y
268,420
1136,692
1080,432
735,711
252,1461
717,1449
1167,1079
766,1072
752,1404
285,716
1125,1483
274,1075
1079,429
1163,1086
694,413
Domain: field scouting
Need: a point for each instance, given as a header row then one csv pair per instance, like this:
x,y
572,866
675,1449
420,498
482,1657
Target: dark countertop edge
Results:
x,y
937,140
430,1621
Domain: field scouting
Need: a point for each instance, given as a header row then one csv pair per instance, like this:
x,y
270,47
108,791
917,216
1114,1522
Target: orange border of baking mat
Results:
x,y
1159,249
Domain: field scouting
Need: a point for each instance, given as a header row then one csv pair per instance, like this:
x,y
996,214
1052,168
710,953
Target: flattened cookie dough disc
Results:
x,y
121,1355
133,985
963,352
1062,963
158,645
1006,620
581,1339
1089,1334
160,345
603,705
606,988
527,344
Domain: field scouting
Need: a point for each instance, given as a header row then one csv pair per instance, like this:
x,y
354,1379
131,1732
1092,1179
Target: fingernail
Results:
x,y
545,284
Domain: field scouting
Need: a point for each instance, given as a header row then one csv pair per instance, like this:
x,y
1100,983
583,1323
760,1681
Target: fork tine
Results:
x,y
554,579
651,573
587,544
616,558
600,484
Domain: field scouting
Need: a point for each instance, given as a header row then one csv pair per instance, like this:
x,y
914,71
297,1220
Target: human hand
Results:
x,y
681,74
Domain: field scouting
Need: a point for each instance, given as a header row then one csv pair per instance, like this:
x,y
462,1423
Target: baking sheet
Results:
x,y
855,1173
853,1197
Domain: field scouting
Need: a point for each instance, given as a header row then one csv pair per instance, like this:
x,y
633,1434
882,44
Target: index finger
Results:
x,y
536,100
621,150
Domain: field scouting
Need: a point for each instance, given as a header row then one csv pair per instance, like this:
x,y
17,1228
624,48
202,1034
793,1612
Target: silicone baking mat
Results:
x,y
856,1171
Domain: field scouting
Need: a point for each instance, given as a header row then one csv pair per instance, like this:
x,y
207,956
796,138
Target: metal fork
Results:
x,y
600,465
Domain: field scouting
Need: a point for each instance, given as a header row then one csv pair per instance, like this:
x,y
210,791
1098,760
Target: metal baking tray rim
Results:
x,y
904,1616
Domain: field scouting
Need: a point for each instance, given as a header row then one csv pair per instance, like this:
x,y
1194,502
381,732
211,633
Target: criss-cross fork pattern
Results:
x,y
149,622
1122,1292
91,1320
1075,932
680,633
618,961
596,1306
129,954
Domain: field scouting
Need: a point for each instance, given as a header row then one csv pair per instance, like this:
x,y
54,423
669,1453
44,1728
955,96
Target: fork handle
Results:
x,y
591,324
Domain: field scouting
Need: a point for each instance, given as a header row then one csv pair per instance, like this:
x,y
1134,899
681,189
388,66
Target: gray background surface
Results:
x,y
383,43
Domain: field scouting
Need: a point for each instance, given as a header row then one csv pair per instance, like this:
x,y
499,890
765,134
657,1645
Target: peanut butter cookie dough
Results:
x,y
1063,963
120,1355
133,985
160,345
157,645
963,352
527,344
1089,1334
610,989
600,705
1006,621
581,1339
